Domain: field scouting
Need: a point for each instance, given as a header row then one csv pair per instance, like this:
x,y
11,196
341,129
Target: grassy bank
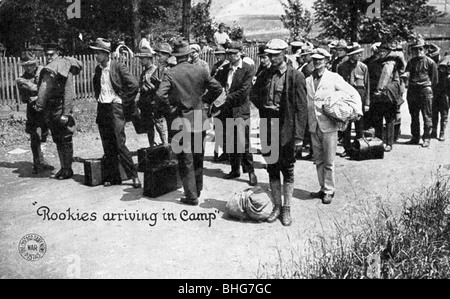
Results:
x,y
411,244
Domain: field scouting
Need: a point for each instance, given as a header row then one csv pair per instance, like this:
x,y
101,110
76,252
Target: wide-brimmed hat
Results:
x,y
262,50
102,44
145,53
164,48
419,42
297,44
354,48
307,48
181,48
320,53
36,48
234,47
276,46
333,44
219,50
391,46
341,44
28,58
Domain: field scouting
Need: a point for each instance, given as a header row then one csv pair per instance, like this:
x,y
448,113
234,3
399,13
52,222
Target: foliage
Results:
x,y
414,244
297,19
236,33
202,25
347,19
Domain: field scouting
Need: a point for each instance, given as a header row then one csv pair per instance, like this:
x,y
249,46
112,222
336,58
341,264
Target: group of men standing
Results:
x,y
289,95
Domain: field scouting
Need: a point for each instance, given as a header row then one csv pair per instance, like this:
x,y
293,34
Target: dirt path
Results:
x,y
164,248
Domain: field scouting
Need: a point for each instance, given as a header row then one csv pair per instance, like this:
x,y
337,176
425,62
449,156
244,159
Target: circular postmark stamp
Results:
x,y
32,247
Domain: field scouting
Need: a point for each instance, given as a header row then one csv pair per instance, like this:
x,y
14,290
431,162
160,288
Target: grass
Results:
x,y
411,244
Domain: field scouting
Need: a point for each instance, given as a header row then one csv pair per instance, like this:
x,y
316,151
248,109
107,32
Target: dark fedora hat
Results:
x,y
234,47
102,44
145,53
181,48
164,48
28,58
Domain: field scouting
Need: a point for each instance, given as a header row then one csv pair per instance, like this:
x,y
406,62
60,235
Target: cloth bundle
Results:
x,y
254,203
341,108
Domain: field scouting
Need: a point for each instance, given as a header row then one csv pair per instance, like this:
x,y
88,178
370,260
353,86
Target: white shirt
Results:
x,y
107,93
233,69
221,38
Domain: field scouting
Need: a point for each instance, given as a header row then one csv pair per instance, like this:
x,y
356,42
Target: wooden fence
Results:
x,y
10,70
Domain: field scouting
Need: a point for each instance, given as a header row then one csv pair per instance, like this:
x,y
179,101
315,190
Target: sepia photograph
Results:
x,y
231,140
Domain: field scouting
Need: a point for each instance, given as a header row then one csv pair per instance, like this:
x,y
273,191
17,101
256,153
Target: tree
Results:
x,y
202,25
186,28
348,19
296,18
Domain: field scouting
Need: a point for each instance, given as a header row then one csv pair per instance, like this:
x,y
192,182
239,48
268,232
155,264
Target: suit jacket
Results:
x,y
330,83
293,105
238,94
125,85
180,95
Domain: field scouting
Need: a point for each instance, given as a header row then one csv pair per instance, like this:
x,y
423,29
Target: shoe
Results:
x,y
286,216
253,180
67,174
413,141
326,200
59,174
276,212
137,183
388,148
232,175
107,184
442,136
426,143
189,202
319,194
344,154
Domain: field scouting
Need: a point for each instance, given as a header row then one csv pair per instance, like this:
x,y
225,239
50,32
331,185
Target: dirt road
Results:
x,y
177,241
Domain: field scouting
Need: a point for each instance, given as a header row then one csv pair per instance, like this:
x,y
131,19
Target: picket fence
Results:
x,y
10,70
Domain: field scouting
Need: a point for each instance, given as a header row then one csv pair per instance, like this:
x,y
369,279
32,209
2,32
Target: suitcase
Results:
x,y
367,148
152,156
94,172
161,179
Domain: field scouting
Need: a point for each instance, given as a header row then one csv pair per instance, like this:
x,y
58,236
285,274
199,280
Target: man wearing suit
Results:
x,y
280,94
180,99
321,85
236,77
115,90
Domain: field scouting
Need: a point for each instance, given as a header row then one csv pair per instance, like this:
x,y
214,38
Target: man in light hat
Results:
x,y
149,82
264,60
356,74
35,125
306,65
56,97
341,55
280,95
180,99
164,52
115,90
423,77
320,86
236,77
219,54
195,57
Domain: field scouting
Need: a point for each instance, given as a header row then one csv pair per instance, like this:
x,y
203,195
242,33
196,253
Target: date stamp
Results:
x,y
32,247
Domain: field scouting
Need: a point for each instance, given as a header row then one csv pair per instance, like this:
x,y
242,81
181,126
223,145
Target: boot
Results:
x,y
67,161
275,187
288,190
60,150
442,134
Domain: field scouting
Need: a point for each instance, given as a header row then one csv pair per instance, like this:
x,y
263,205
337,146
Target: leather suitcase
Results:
x,y
94,172
152,156
367,148
161,179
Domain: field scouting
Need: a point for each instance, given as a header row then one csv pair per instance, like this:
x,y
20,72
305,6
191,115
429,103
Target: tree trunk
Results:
x,y
136,4
187,19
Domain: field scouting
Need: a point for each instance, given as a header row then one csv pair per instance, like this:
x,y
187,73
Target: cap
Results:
x,y
275,46
320,53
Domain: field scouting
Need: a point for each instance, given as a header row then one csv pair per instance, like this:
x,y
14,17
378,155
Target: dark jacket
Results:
x,y
238,94
293,107
357,75
181,92
125,85
422,71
